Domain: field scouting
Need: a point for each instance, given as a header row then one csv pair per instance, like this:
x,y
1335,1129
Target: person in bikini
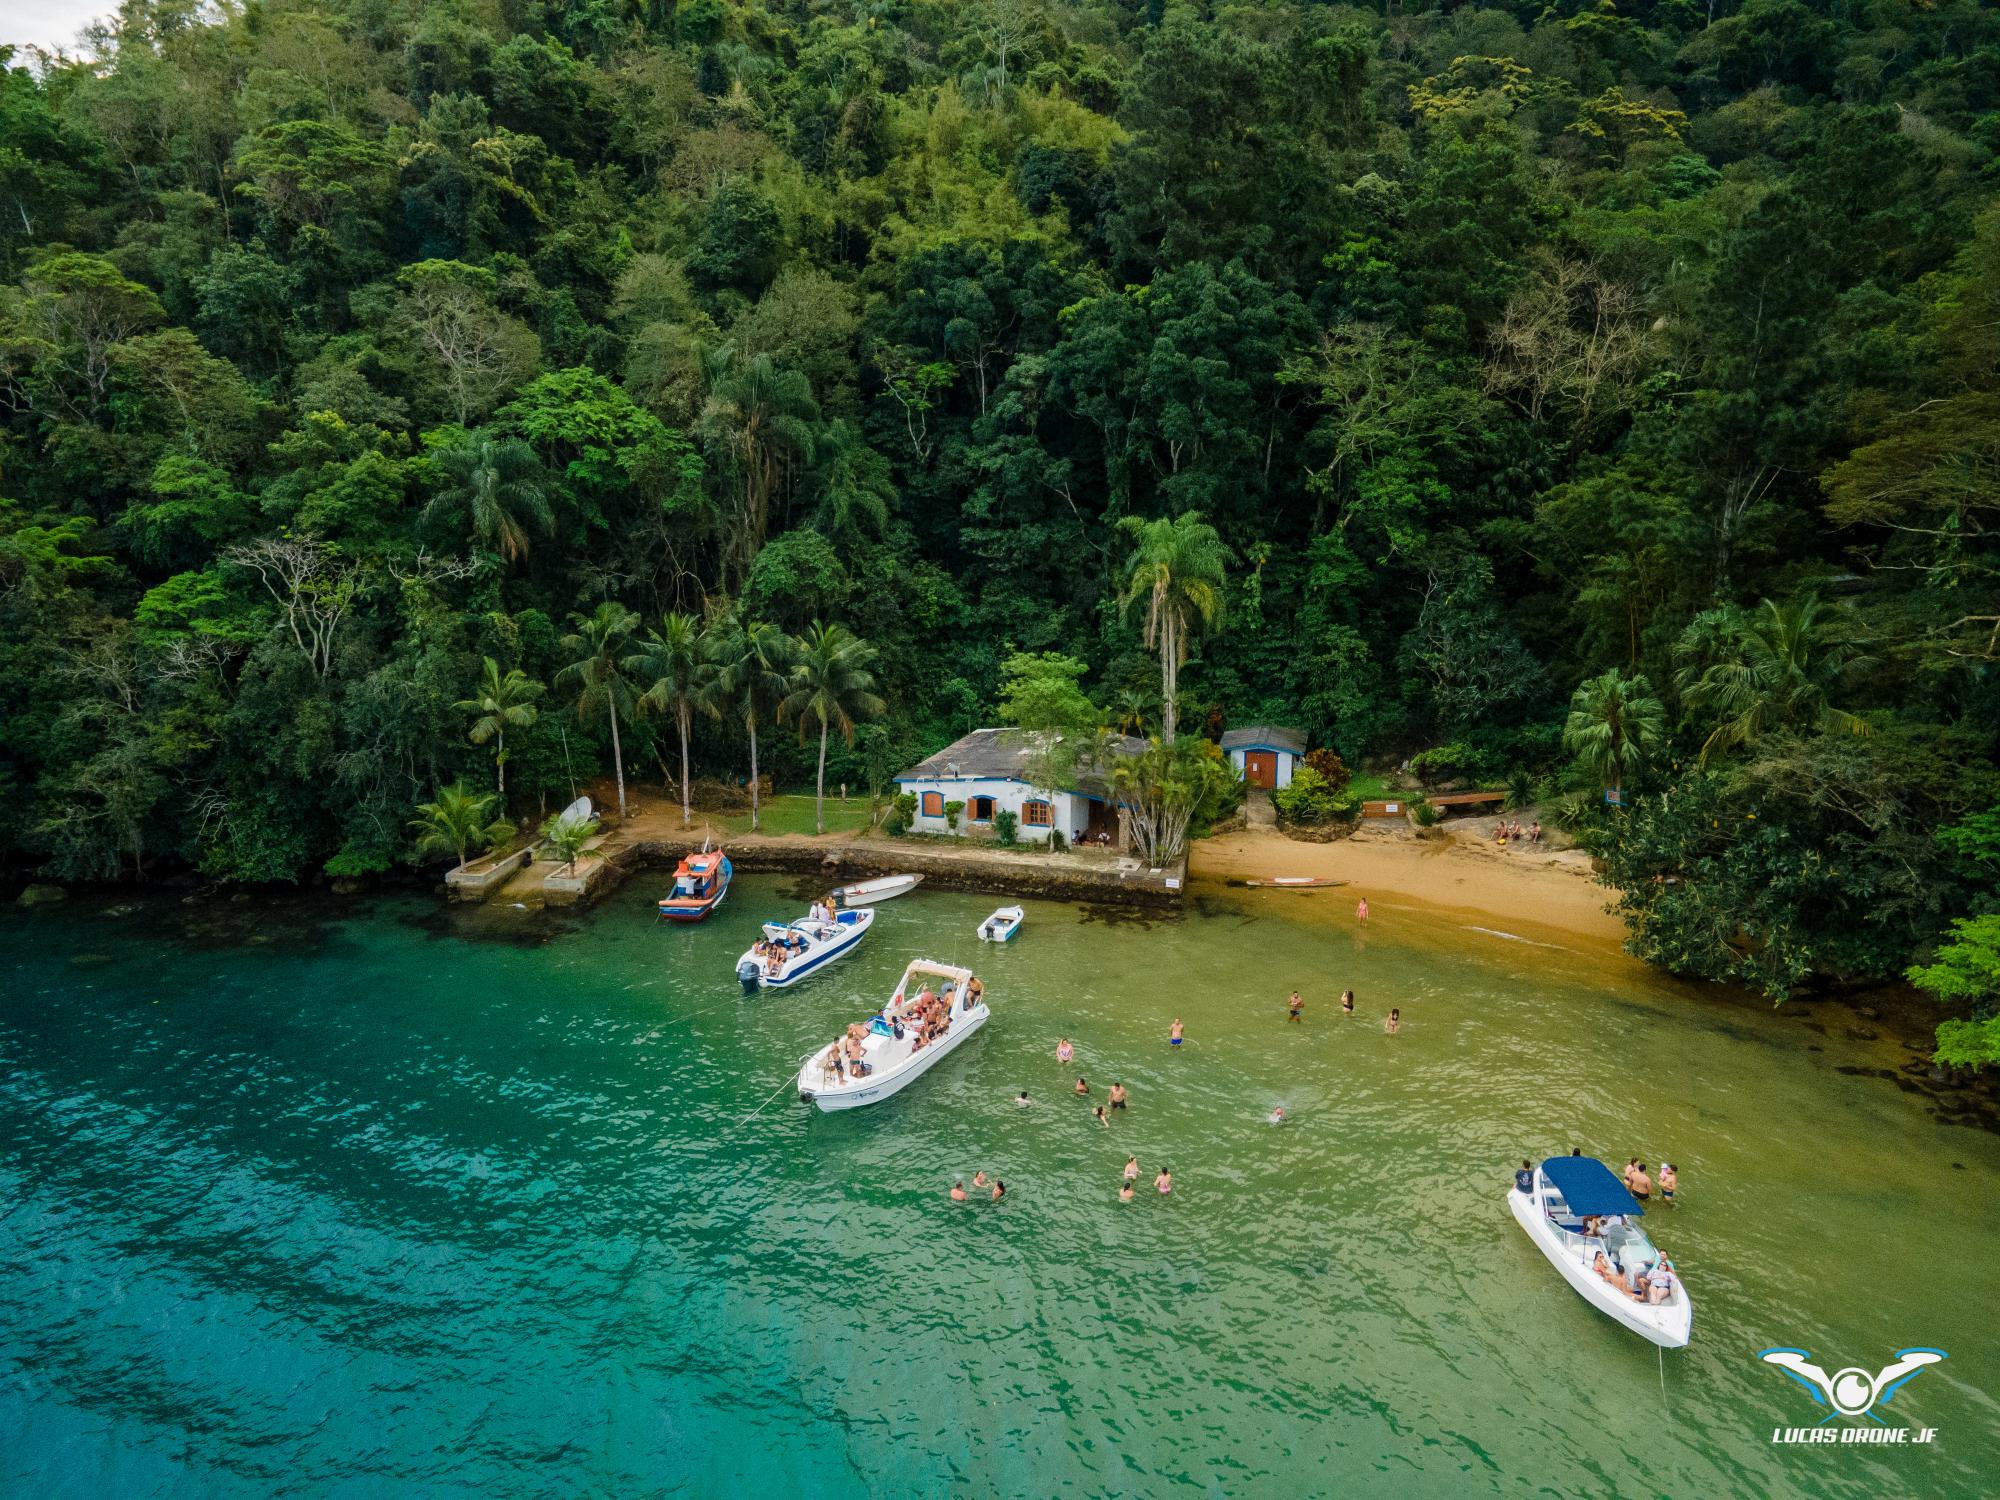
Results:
x,y
1064,1051
1131,1169
1164,1182
1347,1002
1669,1180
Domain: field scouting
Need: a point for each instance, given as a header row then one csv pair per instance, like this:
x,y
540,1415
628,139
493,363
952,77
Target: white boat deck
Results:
x,y
893,1061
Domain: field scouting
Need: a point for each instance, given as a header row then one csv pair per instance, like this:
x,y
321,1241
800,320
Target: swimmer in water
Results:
x,y
1064,1051
1082,1087
1102,1118
979,1178
1124,1192
1021,1100
999,1190
1395,1022
1174,1032
958,1192
1347,1002
1276,1117
1164,1182
1131,1169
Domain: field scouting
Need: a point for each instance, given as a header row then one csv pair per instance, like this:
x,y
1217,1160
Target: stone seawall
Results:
x,y
971,870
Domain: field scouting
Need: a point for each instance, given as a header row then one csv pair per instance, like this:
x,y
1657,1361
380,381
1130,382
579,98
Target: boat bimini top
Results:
x,y
1588,1187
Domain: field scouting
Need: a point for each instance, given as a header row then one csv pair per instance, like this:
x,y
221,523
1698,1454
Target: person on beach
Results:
x,y
1361,912
1395,1022
1064,1051
1347,1002
979,1178
1102,1118
1669,1180
1124,1192
958,1191
1082,1088
1131,1169
1174,1033
1296,1006
1118,1096
1164,1182
1524,1180
999,1190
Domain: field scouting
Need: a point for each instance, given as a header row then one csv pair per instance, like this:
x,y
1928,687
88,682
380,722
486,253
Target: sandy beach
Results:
x,y
1536,892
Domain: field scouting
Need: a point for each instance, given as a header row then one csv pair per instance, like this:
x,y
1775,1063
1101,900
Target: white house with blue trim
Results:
x,y
987,770
1265,754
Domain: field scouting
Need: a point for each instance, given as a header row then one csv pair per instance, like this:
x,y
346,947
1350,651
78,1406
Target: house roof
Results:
x,y
1265,737
1003,755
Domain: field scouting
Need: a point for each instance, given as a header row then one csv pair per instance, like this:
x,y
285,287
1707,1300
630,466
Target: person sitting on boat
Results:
x,y
974,989
1524,1180
926,995
1660,1285
1603,1267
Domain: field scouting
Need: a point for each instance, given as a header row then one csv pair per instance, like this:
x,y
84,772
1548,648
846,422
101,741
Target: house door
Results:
x,y
1260,768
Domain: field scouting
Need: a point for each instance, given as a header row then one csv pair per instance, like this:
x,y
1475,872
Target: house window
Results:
x,y
933,804
980,809
1037,815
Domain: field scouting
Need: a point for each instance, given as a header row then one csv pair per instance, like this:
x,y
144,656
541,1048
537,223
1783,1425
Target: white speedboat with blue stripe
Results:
x,y
790,951
1587,1224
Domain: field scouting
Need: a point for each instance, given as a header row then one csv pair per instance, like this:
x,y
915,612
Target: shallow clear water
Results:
x,y
373,1200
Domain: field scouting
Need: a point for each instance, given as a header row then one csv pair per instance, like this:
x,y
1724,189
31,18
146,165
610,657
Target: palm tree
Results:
x,y
1615,728
680,678
598,673
763,420
458,822
755,661
1177,569
831,686
1129,710
500,701
1778,669
497,482
565,833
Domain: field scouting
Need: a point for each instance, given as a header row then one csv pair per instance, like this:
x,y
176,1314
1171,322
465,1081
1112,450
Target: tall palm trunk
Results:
x,y
681,714
819,793
750,723
500,764
1170,678
618,758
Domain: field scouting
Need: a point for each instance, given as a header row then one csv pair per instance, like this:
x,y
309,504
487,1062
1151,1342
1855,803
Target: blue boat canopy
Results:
x,y
1588,1186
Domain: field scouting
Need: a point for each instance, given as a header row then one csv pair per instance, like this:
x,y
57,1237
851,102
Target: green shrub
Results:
x,y
1331,768
951,812
905,807
1057,841
1520,790
1425,814
1004,824
1457,761
1309,802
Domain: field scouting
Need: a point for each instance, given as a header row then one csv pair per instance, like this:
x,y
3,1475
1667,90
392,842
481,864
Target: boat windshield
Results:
x,y
1629,1246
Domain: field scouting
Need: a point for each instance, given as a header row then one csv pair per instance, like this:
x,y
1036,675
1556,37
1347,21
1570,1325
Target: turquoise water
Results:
x,y
370,1199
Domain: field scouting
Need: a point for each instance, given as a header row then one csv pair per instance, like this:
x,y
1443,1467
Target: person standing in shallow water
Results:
x,y
958,1192
1395,1022
1361,911
1174,1033
1064,1051
1347,1002
1296,1007
1164,1182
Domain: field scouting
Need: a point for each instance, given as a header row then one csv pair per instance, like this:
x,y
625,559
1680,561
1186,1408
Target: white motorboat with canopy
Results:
x,y
790,951
1586,1223
922,1024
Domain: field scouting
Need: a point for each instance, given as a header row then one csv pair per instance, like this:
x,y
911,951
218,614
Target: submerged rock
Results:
x,y
42,895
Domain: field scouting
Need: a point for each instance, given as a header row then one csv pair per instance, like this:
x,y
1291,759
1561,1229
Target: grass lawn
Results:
x,y
792,812
1369,786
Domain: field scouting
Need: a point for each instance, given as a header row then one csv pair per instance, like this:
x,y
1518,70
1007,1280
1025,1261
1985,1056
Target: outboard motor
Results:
x,y
747,972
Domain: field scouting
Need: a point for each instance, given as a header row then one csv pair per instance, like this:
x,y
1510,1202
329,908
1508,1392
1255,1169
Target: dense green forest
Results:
x,y
1589,394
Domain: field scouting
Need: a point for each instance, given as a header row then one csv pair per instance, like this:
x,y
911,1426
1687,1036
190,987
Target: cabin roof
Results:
x,y
997,755
1264,737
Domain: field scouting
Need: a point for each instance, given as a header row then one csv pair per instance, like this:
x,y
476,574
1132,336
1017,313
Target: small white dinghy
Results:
x,y
868,892
790,951
1572,1193
896,1047
1002,925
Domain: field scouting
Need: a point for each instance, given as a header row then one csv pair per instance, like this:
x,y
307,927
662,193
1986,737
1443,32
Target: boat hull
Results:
x,y
687,912
889,1083
872,892
1669,1324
